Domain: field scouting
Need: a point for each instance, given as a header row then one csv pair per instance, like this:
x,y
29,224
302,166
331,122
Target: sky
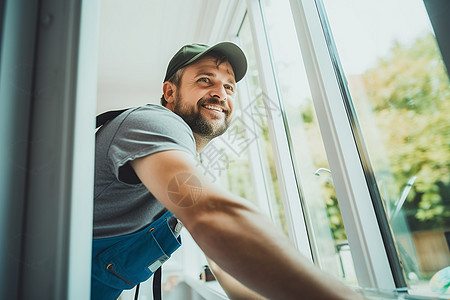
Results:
x,y
370,27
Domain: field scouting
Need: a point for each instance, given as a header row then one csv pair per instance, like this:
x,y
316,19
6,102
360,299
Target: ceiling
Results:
x,y
137,38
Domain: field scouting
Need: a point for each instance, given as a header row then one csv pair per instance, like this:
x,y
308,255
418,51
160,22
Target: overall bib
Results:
x,y
120,263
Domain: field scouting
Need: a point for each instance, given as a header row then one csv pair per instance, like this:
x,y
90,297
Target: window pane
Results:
x,y
329,242
255,106
401,94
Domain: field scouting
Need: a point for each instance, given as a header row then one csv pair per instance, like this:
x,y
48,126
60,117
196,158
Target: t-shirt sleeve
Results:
x,y
144,132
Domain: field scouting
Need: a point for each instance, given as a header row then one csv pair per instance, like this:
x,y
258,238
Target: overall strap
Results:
x,y
136,294
107,116
156,286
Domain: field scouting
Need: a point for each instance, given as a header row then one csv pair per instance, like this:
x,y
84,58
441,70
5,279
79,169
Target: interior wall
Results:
x,y
137,40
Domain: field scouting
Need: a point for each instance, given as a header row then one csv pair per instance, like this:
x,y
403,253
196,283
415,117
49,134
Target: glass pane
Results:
x,y
401,94
255,106
329,242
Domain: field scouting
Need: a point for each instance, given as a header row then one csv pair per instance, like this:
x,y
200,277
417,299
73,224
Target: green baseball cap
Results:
x,y
191,53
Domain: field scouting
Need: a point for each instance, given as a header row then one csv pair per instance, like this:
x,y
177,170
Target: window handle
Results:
x,y
399,203
319,170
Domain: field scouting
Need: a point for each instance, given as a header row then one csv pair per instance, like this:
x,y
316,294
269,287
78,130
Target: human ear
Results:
x,y
169,90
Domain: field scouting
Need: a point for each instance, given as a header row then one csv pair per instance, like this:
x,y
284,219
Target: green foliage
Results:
x,y
308,113
409,93
409,78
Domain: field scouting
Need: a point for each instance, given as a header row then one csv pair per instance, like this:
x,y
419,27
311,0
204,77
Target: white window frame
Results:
x,y
369,255
285,169
82,206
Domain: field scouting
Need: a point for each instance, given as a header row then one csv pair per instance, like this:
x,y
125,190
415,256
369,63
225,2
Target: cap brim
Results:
x,y
234,54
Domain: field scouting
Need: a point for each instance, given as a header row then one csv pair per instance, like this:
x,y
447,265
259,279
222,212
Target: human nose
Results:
x,y
218,91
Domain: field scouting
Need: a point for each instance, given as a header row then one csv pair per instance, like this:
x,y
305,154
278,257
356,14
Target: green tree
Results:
x,y
409,93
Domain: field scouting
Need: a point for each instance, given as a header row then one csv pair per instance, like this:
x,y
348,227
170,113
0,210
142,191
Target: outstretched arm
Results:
x,y
234,234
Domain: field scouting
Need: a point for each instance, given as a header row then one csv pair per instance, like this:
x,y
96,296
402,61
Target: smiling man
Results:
x,y
147,173
202,95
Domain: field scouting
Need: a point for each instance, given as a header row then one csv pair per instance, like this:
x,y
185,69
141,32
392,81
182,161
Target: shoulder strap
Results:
x,y
107,116
156,286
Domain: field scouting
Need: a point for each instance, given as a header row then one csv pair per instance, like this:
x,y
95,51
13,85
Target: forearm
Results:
x,y
247,246
232,287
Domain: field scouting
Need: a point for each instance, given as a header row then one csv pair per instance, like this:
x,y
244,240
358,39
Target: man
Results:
x,y
146,163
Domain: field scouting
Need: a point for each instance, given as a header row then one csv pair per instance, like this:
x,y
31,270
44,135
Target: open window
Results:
x,y
340,133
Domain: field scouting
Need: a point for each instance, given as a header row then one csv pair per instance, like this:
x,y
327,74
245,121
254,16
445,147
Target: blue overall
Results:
x,y
120,263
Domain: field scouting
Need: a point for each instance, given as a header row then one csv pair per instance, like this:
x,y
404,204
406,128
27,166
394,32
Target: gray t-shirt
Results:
x,y
122,204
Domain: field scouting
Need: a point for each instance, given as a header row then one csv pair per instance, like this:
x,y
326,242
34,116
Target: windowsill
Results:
x,y
210,290
374,294
213,291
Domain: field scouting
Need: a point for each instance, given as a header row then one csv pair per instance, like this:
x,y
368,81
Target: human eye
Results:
x,y
229,88
204,79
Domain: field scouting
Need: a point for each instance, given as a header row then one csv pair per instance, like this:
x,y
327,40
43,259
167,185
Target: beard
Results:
x,y
209,128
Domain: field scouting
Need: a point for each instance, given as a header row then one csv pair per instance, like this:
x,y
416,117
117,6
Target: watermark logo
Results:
x,y
261,109
239,136
184,189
